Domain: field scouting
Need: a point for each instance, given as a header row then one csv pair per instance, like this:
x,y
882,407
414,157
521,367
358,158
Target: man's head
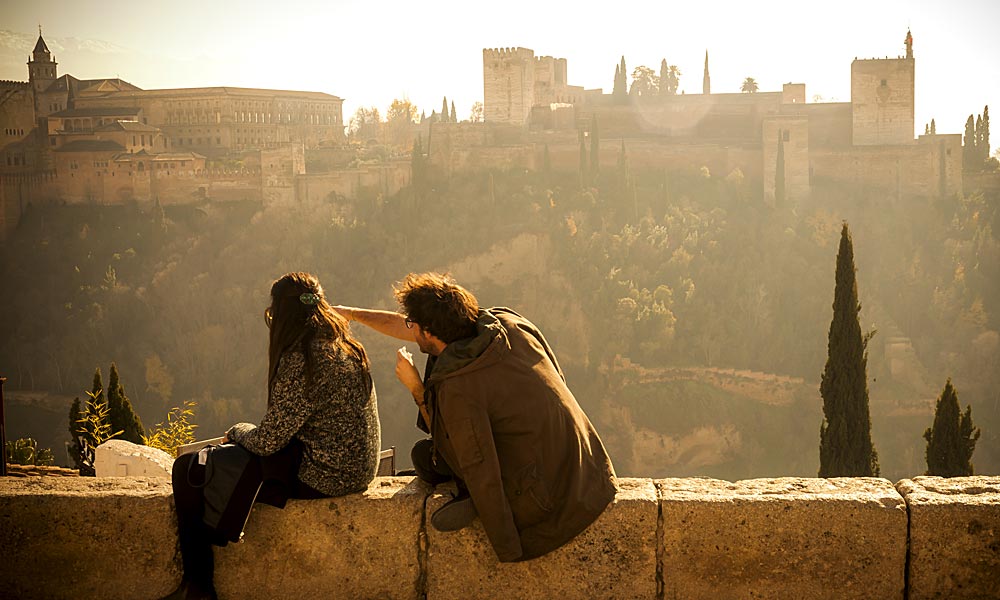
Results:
x,y
437,304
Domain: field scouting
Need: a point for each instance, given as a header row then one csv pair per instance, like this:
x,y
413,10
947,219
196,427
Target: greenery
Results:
x,y
25,451
95,429
680,268
845,448
176,431
952,439
122,417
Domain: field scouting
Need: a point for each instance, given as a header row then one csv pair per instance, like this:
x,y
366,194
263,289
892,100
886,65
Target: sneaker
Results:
x,y
457,513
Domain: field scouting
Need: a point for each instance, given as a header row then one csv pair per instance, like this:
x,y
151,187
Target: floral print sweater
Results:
x,y
335,417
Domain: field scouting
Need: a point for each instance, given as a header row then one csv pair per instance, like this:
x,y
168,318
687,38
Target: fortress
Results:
x,y
105,141
530,108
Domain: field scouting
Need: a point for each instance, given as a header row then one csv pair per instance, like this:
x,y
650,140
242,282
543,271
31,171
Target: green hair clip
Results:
x,y
309,299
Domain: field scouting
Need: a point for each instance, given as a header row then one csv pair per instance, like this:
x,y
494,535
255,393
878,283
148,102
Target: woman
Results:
x,y
320,434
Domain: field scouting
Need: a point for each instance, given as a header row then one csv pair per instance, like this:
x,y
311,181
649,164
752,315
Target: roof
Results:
x,y
71,84
40,46
127,126
223,90
113,111
91,146
164,156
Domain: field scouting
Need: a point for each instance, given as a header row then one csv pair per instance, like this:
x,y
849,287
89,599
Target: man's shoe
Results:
x,y
456,514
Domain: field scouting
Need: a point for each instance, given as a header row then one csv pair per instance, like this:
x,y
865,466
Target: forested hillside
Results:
x,y
691,317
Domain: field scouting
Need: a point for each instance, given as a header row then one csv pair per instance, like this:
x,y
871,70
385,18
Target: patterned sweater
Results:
x,y
335,418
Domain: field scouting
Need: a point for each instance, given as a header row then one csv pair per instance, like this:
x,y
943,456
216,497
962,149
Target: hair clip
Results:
x,y
309,299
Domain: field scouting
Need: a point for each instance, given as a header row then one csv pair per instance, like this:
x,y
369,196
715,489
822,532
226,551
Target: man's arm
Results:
x,y
385,322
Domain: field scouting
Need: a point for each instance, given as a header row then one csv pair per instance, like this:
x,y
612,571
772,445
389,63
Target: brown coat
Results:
x,y
508,425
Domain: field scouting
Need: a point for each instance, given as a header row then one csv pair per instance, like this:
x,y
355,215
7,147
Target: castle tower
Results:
x,y
882,99
508,85
706,81
41,68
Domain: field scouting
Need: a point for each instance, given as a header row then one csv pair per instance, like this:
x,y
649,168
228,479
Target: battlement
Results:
x,y
8,84
899,58
928,537
508,53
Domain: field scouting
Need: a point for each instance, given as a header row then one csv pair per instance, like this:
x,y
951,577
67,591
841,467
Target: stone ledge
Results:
x,y
685,538
954,536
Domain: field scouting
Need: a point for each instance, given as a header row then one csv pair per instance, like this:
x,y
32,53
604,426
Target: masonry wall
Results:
x,y
882,95
668,538
508,84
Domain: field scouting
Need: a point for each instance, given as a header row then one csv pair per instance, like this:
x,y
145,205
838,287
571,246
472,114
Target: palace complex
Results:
x,y
105,141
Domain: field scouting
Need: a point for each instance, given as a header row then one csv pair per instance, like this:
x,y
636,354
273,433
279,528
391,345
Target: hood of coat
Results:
x,y
485,348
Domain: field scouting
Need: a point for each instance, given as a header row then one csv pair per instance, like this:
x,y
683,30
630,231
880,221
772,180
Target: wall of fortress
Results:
x,y
882,100
842,538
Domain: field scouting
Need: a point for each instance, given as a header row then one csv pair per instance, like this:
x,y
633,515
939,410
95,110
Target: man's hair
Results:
x,y
440,306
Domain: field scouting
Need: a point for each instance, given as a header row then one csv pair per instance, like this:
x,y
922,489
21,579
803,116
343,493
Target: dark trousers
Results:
x,y
433,469
281,482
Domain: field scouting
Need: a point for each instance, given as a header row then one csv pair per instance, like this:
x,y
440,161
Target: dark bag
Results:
x,y
230,479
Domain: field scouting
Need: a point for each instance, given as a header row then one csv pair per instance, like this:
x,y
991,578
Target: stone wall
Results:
x,y
668,538
882,101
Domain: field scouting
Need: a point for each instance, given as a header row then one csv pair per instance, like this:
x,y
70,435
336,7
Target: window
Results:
x,y
785,135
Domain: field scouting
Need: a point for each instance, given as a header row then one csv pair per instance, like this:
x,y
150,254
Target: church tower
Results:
x,y
41,70
706,81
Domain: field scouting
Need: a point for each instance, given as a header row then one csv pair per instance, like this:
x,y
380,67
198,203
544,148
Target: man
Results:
x,y
502,421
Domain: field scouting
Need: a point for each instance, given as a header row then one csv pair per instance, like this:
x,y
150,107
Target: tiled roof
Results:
x,y
127,126
40,45
91,146
97,112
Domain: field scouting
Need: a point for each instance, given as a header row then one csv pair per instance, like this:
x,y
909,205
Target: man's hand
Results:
x,y
408,374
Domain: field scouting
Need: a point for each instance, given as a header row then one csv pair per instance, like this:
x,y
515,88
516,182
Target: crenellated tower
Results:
x,y
508,84
882,94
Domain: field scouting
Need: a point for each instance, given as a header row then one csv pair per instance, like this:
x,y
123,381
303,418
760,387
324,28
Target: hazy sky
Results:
x,y
369,53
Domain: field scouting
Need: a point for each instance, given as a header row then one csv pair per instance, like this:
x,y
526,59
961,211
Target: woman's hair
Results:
x,y
299,312
440,306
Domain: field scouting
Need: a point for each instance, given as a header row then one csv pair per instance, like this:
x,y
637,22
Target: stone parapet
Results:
x,y
954,536
669,538
782,538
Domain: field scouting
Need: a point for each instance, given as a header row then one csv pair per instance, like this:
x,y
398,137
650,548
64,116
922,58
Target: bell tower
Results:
x,y
41,69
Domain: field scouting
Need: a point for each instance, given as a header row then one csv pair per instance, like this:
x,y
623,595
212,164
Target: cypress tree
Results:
x,y
664,77
779,174
546,163
979,141
583,162
845,447
984,150
595,150
933,127
927,128
952,439
616,91
444,109
969,148
75,434
454,115
120,413
97,389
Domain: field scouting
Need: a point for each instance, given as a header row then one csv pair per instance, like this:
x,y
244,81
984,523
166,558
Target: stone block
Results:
x,y
86,537
121,458
359,546
954,536
782,538
613,558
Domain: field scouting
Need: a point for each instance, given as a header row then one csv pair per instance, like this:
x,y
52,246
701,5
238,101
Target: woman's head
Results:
x,y
299,311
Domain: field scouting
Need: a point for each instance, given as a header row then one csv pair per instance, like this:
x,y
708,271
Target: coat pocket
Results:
x,y
529,497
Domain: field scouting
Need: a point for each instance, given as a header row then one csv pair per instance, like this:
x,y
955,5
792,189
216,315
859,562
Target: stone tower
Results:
x,y
706,81
882,99
41,70
508,85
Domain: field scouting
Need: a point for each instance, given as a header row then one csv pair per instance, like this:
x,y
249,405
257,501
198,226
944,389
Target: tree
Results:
x,y
365,124
444,109
583,161
749,86
620,91
984,137
616,91
670,78
644,82
969,152
399,118
933,127
476,113
122,416
952,439
845,448
454,115
75,435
